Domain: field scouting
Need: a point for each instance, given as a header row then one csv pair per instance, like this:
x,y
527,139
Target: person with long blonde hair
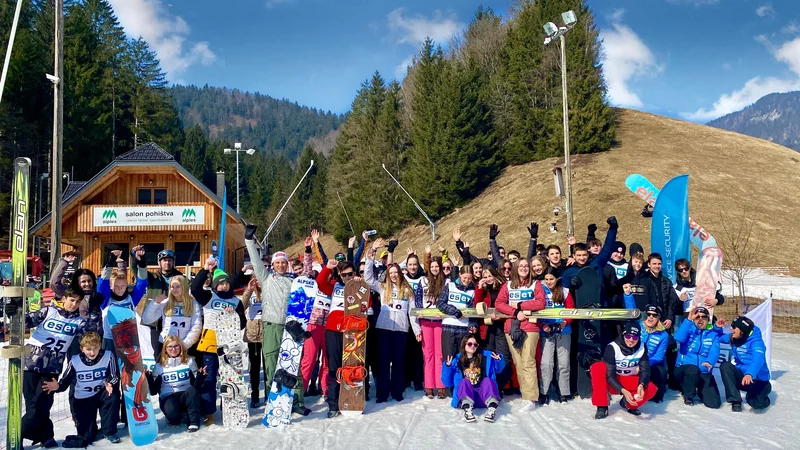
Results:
x,y
176,382
179,313
392,325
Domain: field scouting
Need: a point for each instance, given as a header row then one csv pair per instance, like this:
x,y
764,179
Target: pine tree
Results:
x,y
194,157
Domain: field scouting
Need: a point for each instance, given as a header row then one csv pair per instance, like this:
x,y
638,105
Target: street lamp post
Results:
x,y
237,147
553,31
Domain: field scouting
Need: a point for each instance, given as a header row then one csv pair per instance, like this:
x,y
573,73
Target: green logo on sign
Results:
x,y
188,213
109,214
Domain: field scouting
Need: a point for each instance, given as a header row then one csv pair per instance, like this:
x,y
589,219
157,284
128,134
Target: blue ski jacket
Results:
x,y
452,376
750,357
656,342
696,346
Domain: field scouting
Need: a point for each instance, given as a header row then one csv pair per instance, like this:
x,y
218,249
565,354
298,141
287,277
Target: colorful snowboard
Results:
x,y
281,394
587,332
709,275
133,383
234,371
352,396
550,313
645,190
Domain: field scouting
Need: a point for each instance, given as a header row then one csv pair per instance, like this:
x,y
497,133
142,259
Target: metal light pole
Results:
x,y
553,32
237,147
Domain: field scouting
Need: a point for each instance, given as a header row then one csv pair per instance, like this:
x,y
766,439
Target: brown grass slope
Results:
x,y
730,173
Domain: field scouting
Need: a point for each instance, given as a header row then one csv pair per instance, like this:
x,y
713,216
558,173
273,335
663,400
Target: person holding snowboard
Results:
x,y
114,288
556,338
330,282
95,377
178,382
697,354
473,371
625,369
45,351
179,313
429,332
522,293
685,285
392,325
748,372
220,297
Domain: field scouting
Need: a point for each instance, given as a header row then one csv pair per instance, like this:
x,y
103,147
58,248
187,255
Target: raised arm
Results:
x,y
58,274
369,275
252,251
494,230
201,295
533,230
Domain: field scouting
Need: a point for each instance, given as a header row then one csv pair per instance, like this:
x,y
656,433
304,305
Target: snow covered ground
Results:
x,y
418,423
759,283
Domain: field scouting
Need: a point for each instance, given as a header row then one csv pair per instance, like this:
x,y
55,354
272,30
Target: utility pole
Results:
x,y
58,134
567,165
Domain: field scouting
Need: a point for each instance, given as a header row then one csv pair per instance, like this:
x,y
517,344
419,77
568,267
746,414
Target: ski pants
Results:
x,y
271,346
415,371
525,362
601,389
496,342
658,376
555,347
208,393
391,360
36,423
334,342
182,407
86,410
255,356
480,396
432,352
312,348
108,345
757,391
693,382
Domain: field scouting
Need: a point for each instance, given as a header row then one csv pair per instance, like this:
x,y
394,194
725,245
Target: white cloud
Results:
x,y
166,34
617,15
765,10
626,57
791,28
755,88
414,30
274,3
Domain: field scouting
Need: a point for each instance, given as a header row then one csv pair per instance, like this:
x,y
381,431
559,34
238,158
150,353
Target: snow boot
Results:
x,y
634,412
441,395
688,401
74,441
193,428
736,406
332,414
469,416
602,412
113,438
429,393
544,399
564,398
50,443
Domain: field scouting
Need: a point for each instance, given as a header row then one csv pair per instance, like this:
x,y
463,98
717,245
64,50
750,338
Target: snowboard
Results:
x,y
19,257
351,375
587,333
280,397
234,370
142,423
645,190
709,275
481,312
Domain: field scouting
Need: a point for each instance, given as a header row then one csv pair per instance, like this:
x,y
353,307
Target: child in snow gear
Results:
x,y
625,369
697,355
556,338
180,315
94,374
749,371
177,381
456,296
429,332
473,370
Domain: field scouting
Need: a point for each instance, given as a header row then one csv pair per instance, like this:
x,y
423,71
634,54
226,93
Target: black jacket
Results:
x,y
610,358
692,283
642,289
666,297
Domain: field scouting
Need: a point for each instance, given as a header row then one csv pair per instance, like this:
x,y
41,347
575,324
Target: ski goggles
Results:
x,y
631,337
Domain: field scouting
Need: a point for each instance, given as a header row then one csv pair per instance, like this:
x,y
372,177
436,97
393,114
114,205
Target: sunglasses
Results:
x,y
631,337
361,272
173,347
507,269
348,274
701,316
683,269
471,344
652,314
447,268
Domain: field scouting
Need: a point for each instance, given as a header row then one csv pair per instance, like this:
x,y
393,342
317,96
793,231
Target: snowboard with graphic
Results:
x,y
142,423
234,370
353,372
280,397
709,277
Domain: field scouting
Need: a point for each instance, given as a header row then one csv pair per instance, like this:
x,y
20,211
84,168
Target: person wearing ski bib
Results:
x,y
455,297
427,331
392,325
625,369
415,371
556,337
45,351
523,293
314,347
157,282
698,352
95,377
748,371
616,273
219,298
177,382
330,283
178,312
473,371
114,288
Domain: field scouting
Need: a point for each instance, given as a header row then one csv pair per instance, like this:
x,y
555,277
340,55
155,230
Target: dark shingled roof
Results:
x,y
72,188
147,152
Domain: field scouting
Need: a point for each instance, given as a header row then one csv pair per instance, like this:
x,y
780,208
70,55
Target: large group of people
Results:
x,y
674,344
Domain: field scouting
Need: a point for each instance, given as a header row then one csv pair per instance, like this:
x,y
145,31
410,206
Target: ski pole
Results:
x,y
10,47
345,213
278,216
433,225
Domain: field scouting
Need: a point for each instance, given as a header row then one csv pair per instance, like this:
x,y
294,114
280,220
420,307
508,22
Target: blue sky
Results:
x,y
693,59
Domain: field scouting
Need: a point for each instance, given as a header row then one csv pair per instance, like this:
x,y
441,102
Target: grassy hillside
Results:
x,y
730,175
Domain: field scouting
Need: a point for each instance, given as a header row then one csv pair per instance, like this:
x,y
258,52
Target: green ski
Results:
x,y
19,293
549,313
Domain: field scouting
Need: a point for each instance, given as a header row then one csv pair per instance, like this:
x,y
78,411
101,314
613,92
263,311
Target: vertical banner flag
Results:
x,y
223,222
669,235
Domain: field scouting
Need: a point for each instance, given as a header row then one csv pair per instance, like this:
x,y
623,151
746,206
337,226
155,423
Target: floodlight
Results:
x,y
237,145
251,151
569,18
550,29
227,151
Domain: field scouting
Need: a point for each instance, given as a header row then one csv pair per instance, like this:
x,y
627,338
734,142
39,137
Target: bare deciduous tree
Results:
x,y
740,243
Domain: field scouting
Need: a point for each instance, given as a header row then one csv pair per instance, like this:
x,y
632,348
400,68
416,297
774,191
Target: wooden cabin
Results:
x,y
145,197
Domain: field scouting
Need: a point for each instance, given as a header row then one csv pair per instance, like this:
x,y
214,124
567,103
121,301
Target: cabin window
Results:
x,y
145,196
151,253
149,196
187,253
159,196
108,248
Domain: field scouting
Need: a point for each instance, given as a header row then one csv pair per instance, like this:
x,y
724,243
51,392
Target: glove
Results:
x,y
556,328
534,230
576,282
11,308
493,231
141,262
393,245
592,228
112,261
249,232
612,222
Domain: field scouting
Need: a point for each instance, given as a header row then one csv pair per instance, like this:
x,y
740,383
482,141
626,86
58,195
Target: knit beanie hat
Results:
x,y
279,255
619,246
632,327
745,324
219,277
